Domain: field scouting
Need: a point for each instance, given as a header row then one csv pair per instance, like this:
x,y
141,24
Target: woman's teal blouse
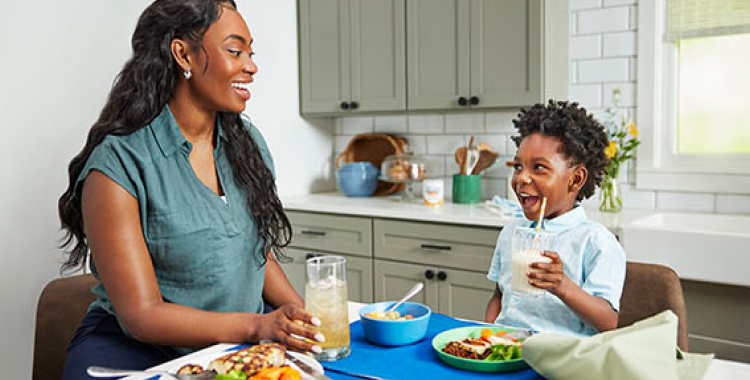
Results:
x,y
205,251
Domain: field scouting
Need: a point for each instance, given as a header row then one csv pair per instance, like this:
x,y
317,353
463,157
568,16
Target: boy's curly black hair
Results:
x,y
583,138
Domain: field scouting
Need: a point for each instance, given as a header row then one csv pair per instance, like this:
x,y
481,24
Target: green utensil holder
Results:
x,y
467,188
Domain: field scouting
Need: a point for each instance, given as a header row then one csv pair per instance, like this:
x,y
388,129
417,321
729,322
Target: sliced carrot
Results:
x,y
501,333
487,333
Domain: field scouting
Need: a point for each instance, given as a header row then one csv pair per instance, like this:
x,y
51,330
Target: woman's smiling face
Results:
x,y
224,66
542,170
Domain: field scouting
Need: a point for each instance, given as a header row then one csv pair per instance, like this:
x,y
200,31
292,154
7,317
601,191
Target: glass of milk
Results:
x,y
528,245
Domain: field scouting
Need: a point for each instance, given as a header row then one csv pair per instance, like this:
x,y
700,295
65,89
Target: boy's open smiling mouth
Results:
x,y
528,201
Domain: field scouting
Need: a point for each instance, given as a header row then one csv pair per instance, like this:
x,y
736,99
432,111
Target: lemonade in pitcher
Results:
x,y
326,297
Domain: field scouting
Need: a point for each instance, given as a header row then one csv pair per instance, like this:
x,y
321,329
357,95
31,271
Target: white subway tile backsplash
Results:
x,y
634,17
584,4
603,70
498,169
588,46
604,20
611,3
510,146
451,166
733,204
396,124
340,143
356,125
588,96
573,73
627,96
492,187
444,144
572,25
495,141
426,124
633,68
620,44
435,166
634,198
501,122
464,122
685,202
417,143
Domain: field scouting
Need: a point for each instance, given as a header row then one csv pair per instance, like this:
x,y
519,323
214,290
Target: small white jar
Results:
x,y
433,191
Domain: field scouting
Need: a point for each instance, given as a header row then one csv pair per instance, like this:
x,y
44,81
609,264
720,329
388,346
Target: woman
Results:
x,y
174,196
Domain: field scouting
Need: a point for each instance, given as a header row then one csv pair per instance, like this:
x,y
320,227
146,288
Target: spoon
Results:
x,y
414,290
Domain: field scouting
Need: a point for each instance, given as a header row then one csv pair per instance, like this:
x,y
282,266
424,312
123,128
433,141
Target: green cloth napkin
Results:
x,y
644,350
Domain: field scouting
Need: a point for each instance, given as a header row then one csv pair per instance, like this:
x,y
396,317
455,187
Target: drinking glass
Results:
x,y
326,297
528,245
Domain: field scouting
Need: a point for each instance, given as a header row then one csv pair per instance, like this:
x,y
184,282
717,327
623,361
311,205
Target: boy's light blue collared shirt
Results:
x,y
592,258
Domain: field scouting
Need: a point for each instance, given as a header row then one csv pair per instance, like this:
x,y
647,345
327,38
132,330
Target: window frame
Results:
x,y
658,167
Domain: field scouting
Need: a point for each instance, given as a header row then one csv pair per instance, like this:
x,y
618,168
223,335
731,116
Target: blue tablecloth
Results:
x,y
410,362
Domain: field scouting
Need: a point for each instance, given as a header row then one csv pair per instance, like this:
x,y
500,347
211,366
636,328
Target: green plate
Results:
x,y
462,333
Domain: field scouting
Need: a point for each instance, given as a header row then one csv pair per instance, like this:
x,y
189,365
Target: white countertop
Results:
x,y
452,213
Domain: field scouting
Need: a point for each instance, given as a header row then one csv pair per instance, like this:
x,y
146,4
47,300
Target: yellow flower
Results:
x,y
611,150
632,129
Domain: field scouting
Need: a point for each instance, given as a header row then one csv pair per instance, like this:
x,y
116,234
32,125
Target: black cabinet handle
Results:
x,y
474,100
429,274
442,276
309,256
437,247
344,105
353,105
462,101
313,233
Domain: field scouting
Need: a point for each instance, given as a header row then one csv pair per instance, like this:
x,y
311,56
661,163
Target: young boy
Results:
x,y
560,157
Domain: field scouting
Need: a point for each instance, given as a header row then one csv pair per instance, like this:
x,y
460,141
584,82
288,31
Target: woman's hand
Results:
x,y
281,326
552,278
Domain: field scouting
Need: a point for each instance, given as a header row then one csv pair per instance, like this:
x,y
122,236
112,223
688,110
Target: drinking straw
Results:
x,y
541,215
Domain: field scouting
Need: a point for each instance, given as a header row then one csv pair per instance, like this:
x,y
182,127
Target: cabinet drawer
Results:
x,y
435,244
331,233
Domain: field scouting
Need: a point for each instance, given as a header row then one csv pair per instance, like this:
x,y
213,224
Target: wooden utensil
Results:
x,y
461,159
487,158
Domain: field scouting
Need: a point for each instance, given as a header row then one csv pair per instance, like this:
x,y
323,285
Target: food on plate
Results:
x,y
259,362
494,346
189,369
250,360
389,316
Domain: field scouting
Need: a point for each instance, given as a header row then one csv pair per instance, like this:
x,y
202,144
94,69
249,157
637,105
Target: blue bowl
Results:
x,y
358,179
396,333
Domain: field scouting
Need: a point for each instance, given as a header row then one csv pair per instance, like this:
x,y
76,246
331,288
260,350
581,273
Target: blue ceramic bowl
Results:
x,y
396,333
358,179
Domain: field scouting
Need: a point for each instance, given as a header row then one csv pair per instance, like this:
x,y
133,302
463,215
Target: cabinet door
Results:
x,y
464,294
324,55
393,280
358,274
378,63
506,52
438,51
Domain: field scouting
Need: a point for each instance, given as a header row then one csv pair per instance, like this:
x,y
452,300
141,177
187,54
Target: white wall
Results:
x,y
58,62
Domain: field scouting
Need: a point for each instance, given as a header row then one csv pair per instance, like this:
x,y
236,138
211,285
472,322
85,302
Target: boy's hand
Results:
x,y
552,278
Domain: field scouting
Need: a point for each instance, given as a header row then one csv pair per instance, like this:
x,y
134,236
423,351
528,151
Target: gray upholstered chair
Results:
x,y
650,289
62,306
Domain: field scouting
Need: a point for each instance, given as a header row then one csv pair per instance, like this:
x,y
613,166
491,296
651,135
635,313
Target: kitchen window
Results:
x,y
694,96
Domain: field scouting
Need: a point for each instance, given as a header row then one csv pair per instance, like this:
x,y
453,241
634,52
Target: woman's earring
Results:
x,y
187,74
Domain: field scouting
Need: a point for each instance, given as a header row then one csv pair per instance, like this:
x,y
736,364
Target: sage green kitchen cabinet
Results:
x,y
485,53
458,293
352,56
451,261
358,273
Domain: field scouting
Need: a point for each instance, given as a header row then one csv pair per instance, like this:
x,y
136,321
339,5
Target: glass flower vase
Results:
x,y
610,196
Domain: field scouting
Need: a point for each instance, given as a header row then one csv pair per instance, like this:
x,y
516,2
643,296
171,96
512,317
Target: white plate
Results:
x,y
205,359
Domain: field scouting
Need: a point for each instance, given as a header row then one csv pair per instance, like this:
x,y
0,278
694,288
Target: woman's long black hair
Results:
x,y
140,93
